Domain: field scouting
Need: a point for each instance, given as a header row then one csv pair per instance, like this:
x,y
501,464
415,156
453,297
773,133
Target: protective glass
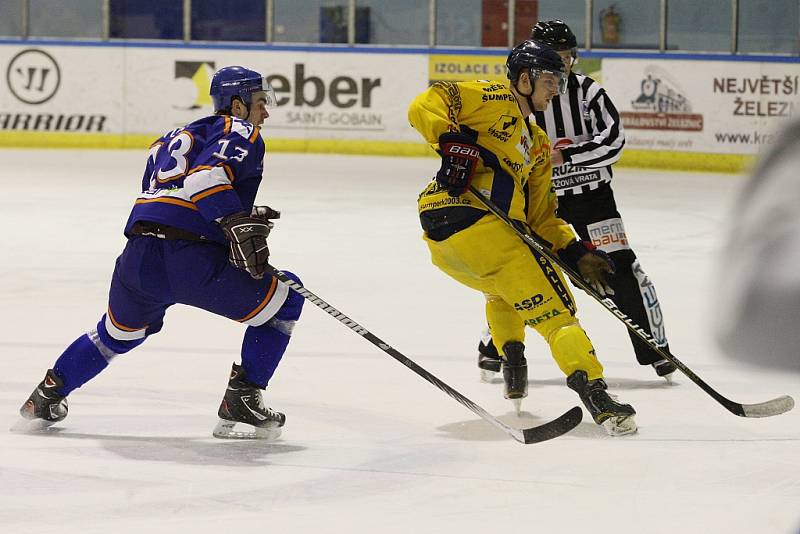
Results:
x,y
267,93
559,80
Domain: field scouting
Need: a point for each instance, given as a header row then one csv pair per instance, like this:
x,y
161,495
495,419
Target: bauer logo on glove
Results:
x,y
459,160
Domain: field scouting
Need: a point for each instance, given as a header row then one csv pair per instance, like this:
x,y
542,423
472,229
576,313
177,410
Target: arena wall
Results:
x,y
697,112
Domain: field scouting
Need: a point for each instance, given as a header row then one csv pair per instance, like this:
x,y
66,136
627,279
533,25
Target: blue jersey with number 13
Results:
x,y
199,173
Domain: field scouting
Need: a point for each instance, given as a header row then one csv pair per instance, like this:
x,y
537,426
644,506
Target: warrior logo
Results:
x,y
33,76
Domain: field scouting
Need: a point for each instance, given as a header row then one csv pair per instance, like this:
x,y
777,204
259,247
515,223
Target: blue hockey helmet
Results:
x,y
535,57
239,82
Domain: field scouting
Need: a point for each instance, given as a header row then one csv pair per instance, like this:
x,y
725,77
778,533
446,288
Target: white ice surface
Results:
x,y
369,446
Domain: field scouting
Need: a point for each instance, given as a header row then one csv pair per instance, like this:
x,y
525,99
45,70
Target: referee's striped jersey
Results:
x,y
585,125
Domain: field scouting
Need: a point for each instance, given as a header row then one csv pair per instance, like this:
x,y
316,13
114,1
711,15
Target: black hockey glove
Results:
x,y
248,240
591,263
459,160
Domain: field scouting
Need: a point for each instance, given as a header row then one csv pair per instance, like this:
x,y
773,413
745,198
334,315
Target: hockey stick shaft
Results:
x,y
765,409
555,428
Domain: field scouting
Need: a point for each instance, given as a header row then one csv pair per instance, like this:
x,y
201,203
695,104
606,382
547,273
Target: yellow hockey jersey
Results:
x,y
515,169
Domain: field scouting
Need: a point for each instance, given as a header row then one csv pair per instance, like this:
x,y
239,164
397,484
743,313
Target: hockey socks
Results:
x,y
262,350
263,346
78,364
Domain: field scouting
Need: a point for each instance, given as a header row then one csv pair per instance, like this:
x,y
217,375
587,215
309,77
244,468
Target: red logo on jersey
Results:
x,y
562,143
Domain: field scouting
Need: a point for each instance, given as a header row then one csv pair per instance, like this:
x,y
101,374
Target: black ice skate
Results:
x,y
515,373
243,404
617,419
44,407
665,369
488,361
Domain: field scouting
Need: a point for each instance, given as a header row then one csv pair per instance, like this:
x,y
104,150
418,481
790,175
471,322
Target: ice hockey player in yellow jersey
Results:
x,y
482,133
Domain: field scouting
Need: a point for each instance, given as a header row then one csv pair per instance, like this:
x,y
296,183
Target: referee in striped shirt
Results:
x,y
587,138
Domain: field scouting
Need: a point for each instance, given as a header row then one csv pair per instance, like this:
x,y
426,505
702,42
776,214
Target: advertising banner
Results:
x,y
468,67
115,94
320,95
725,107
61,89
145,91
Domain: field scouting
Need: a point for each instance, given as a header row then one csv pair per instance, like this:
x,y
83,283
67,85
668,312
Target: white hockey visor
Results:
x,y
266,93
560,79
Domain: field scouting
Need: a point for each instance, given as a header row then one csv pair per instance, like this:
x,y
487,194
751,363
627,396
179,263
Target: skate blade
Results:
x,y
668,378
487,376
227,430
621,425
517,405
31,426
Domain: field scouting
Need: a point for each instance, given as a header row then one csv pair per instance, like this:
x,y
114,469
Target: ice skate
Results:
x,y
44,407
488,361
515,374
242,413
617,419
665,369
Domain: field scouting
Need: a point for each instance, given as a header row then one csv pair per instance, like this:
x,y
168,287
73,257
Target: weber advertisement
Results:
x,y
319,95
725,107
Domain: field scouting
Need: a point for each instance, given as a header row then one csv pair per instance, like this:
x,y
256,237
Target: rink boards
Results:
x,y
679,111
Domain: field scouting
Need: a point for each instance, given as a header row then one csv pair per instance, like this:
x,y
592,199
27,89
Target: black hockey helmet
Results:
x,y
555,33
535,57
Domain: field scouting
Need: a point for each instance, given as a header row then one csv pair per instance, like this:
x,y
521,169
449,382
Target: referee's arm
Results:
x,y
608,138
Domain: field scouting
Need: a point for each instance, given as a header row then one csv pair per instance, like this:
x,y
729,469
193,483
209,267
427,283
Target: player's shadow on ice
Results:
x,y
480,430
613,383
190,451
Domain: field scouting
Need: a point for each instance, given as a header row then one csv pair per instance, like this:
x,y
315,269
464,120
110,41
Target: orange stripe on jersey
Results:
x,y
228,124
263,304
199,168
255,134
208,192
228,171
168,200
120,326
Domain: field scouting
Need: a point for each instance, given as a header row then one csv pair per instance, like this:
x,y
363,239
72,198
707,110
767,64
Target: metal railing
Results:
x,y
269,22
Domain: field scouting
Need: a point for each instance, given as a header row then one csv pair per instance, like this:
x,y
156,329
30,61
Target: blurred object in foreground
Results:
x,y
759,269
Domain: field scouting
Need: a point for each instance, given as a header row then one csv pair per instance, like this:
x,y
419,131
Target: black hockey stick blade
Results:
x,y
552,429
769,408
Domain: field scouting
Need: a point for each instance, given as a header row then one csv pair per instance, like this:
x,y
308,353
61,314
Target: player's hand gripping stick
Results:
x,y
248,241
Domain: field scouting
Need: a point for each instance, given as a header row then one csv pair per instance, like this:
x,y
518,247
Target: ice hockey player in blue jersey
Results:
x,y
195,238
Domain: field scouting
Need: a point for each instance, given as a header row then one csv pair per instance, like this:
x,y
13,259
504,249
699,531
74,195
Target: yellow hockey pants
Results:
x,y
521,288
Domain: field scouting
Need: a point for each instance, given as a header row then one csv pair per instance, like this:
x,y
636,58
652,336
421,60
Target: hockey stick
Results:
x,y
549,430
769,408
